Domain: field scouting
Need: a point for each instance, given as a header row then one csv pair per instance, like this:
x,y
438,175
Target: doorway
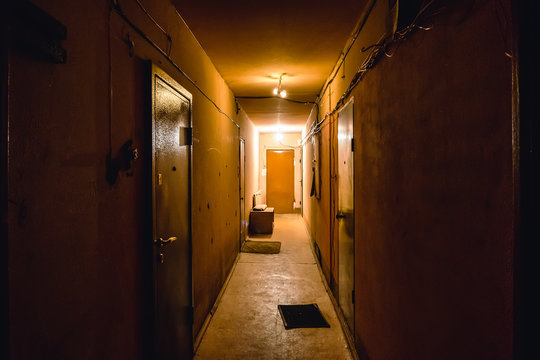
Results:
x,y
280,180
345,213
171,213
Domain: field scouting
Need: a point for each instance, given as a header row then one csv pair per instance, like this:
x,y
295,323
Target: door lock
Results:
x,y
340,215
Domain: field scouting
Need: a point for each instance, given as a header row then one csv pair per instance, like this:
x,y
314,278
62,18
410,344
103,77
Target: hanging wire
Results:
x,y
343,55
315,104
169,38
118,9
376,51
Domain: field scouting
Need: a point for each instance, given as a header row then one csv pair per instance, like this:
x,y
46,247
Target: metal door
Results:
x,y
243,223
171,170
345,213
280,180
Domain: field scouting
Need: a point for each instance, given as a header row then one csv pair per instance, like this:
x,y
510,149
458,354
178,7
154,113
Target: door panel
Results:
x,y
243,222
172,218
345,213
280,180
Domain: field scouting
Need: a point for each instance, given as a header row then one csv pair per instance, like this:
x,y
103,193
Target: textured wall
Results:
x,y
433,191
75,242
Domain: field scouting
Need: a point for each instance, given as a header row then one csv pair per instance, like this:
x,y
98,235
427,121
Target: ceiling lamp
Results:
x,y
278,89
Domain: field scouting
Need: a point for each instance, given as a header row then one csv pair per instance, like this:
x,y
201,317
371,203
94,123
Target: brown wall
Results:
x,y
433,191
316,212
75,241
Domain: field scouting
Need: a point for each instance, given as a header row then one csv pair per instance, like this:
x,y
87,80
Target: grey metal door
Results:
x,y
171,170
345,213
243,222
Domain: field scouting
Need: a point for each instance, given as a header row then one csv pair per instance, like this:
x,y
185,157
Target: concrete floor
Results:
x,y
247,323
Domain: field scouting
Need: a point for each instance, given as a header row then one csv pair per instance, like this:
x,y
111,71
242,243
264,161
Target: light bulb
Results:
x,y
283,93
275,91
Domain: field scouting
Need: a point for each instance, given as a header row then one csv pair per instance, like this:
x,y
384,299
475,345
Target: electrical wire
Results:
x,y
280,98
355,36
118,9
277,97
169,38
377,50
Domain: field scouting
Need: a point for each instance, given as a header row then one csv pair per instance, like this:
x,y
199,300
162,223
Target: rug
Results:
x,y
302,316
261,247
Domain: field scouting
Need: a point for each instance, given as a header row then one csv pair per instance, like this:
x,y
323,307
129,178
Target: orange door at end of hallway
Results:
x,y
280,180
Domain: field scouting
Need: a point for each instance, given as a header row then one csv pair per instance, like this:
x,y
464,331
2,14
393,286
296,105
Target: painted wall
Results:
x,y
268,141
251,136
433,189
76,256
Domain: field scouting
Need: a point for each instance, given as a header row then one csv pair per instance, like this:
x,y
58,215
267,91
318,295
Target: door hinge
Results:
x,y
352,296
185,136
352,145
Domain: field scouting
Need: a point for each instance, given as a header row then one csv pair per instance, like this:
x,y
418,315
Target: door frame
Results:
x,y
526,174
152,71
4,119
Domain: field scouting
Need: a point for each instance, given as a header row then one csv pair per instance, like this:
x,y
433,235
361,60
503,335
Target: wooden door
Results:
x,y
345,213
280,180
171,170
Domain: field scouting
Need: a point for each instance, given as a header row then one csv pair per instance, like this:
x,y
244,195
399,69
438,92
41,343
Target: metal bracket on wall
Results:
x,y
36,33
122,162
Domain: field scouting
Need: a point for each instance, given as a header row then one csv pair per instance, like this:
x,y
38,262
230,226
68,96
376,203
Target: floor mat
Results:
x,y
261,247
302,316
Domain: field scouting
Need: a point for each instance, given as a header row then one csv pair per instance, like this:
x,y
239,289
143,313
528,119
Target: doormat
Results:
x,y
261,247
302,316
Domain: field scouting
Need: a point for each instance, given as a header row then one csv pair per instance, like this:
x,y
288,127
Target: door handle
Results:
x,y
340,215
162,241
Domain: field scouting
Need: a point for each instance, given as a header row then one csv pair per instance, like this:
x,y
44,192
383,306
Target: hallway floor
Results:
x,y
247,323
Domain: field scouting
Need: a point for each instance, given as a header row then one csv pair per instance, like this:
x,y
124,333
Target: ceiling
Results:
x,y
253,42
